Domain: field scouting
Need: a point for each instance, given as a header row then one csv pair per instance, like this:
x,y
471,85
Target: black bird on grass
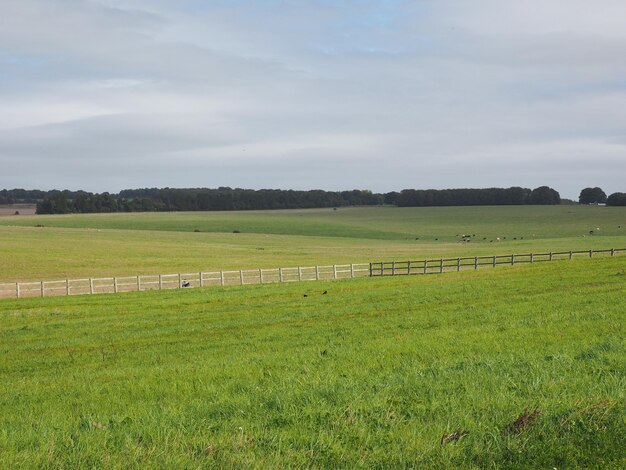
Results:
x,y
325,292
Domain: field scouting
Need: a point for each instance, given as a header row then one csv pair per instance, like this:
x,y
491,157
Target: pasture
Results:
x,y
516,367
493,368
151,243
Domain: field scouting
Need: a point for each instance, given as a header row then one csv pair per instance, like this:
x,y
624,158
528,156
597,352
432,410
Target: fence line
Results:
x,y
109,285
443,265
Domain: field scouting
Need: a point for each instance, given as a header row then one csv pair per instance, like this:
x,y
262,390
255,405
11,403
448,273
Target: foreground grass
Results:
x,y
373,374
92,245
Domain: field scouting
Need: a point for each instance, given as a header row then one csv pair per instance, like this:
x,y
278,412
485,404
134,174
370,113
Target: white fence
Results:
x,y
110,285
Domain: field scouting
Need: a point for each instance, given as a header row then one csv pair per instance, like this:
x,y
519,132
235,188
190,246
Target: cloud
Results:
x,y
385,95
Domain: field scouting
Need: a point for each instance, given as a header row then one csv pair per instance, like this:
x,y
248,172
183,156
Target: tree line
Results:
x,y
225,198
200,199
477,197
597,196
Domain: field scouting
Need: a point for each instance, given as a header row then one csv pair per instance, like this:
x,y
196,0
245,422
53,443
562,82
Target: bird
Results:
x,y
305,295
325,292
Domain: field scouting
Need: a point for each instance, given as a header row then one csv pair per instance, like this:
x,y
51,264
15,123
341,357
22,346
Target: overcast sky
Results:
x,y
384,95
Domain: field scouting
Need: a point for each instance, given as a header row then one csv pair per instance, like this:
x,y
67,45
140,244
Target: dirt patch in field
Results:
x,y
20,209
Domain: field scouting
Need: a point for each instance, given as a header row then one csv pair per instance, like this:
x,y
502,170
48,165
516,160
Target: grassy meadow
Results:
x,y
515,367
488,369
151,243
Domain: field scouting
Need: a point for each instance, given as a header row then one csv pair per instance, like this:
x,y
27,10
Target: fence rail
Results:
x,y
444,265
109,285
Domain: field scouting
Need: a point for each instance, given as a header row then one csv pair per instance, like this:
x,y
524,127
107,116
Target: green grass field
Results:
x,y
514,367
129,244
374,374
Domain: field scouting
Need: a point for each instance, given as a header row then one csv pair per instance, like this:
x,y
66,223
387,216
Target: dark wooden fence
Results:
x,y
443,265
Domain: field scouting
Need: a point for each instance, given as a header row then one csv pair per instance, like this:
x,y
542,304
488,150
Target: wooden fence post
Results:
x,y
180,280
441,266
612,251
352,270
371,270
261,275
41,285
317,272
571,255
334,271
425,266
512,260
280,274
408,267
67,287
393,268
138,283
17,290
115,285
475,262
550,256
532,257
221,278
458,264
590,253
91,285
299,273
241,276
494,261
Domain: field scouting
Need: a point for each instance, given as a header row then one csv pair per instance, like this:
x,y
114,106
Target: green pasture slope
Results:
x,y
515,367
151,243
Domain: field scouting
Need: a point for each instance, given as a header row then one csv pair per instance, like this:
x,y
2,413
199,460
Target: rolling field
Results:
x,y
486,369
515,367
152,243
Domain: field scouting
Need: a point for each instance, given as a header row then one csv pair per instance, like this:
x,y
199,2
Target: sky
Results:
x,y
384,95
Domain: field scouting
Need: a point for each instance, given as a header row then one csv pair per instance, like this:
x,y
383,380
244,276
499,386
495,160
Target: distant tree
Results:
x,y
391,198
545,195
592,196
56,203
616,199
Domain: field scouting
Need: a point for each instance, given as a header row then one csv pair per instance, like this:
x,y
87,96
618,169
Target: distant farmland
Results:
x,y
151,243
21,209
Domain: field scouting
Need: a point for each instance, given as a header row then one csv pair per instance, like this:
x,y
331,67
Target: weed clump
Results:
x,y
453,437
526,419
